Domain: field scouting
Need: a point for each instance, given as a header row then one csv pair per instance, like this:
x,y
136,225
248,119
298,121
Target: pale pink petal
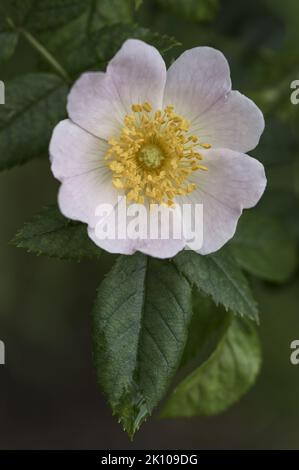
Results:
x,y
79,196
156,247
138,72
74,152
77,159
233,182
199,87
196,80
99,101
234,122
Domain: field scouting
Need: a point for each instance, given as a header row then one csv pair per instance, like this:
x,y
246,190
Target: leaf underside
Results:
x,y
223,378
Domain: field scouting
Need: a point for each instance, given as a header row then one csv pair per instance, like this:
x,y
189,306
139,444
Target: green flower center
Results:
x,y
151,156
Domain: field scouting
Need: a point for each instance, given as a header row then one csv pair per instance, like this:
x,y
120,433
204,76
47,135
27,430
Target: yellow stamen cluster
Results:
x,y
154,155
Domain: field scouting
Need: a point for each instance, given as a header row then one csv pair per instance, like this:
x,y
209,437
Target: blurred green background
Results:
x,y
48,393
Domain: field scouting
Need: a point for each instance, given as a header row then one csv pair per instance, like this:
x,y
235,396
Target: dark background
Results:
x,y
48,393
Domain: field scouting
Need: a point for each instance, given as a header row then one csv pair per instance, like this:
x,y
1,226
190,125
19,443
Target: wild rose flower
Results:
x,y
156,136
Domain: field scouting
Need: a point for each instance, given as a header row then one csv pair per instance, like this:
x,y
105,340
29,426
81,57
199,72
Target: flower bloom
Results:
x,y
159,137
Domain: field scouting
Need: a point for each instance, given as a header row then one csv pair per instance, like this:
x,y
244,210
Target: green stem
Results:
x,y
47,56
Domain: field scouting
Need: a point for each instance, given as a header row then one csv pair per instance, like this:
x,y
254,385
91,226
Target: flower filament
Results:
x,y
154,155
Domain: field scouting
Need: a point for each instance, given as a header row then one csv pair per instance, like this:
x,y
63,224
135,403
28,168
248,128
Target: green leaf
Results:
x,y
296,176
219,276
204,10
286,143
53,235
264,248
98,13
208,323
8,41
138,4
41,15
23,17
107,12
141,319
19,17
33,106
95,50
223,379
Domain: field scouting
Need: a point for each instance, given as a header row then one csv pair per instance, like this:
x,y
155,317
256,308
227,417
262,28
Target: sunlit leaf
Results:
x,y
223,379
